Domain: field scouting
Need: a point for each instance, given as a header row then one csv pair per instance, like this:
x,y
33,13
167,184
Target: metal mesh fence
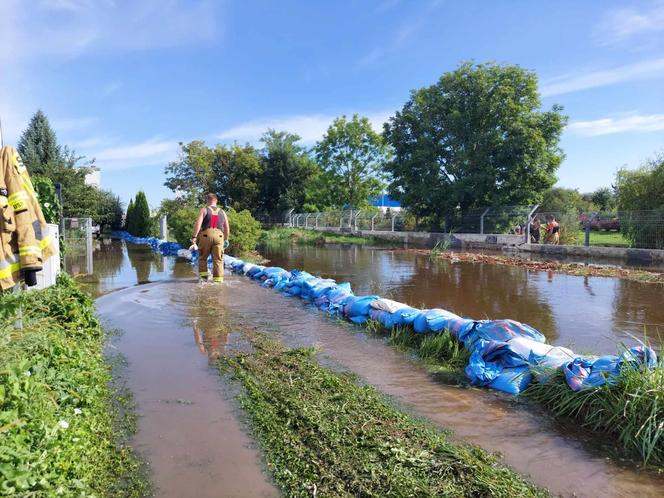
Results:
x,y
636,229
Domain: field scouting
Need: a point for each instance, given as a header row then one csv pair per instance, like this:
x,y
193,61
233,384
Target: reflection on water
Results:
x,y
118,264
591,314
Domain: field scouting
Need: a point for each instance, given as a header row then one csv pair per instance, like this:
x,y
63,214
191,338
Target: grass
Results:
x,y
602,238
313,237
324,434
631,409
440,352
63,423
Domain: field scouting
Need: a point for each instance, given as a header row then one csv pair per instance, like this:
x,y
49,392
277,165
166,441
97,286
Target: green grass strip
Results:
x,y
313,237
324,434
63,426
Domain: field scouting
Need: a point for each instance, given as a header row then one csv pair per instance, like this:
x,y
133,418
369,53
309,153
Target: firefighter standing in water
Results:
x,y
211,232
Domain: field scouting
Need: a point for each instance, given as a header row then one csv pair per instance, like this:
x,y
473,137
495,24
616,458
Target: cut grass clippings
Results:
x,y
324,434
578,269
63,424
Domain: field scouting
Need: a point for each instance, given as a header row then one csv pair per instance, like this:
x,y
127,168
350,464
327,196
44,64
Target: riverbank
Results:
x,y
311,237
64,424
576,269
324,434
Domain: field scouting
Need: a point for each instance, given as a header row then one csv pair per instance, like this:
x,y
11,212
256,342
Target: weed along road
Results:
x,y
194,436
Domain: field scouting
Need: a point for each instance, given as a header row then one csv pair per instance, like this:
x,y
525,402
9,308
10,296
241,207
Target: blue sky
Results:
x,y
125,81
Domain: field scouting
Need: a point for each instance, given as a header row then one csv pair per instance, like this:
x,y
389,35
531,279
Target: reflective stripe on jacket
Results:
x,y
24,239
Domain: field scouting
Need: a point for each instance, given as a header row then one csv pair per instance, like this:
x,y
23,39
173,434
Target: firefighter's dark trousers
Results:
x,y
211,241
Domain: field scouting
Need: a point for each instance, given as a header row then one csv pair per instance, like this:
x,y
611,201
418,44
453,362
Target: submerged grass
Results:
x,y
631,409
326,435
440,351
63,423
313,237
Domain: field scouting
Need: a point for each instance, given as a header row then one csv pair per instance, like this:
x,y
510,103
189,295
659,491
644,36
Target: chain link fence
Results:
x,y
77,236
635,229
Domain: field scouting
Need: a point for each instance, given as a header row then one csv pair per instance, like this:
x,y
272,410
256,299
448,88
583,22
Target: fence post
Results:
x,y
163,228
529,221
394,217
306,220
482,221
317,215
372,221
88,246
357,215
587,229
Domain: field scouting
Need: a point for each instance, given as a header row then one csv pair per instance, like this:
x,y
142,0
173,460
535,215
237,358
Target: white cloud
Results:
x,y
74,27
151,152
623,24
310,127
634,123
604,77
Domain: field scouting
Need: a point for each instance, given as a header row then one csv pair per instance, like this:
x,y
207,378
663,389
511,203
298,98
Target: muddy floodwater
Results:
x,y
189,430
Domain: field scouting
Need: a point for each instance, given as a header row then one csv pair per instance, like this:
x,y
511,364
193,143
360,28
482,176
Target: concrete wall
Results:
x,y
632,256
430,239
513,242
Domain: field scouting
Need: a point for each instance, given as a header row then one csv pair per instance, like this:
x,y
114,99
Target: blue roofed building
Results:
x,y
385,202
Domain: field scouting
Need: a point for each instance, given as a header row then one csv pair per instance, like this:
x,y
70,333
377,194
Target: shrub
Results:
x,y
245,232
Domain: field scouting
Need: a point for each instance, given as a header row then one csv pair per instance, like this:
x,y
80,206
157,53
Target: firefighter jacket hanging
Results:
x,y
24,239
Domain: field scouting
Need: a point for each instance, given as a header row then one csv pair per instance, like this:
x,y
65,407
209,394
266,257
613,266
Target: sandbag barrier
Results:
x,y
506,355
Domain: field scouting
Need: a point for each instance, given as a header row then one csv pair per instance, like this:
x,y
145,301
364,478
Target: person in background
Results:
x,y
211,232
535,227
552,230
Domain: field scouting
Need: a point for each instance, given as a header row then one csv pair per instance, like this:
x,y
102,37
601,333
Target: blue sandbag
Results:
x,y
499,330
359,306
512,380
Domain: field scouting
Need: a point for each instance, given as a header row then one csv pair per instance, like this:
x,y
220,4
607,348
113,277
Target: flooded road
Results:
x,y
188,428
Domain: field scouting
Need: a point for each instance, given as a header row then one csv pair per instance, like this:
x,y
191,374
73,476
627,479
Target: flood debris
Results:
x,y
577,269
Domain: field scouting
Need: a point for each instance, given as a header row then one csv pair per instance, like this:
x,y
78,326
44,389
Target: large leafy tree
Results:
x,y
568,200
287,171
354,155
191,174
232,172
475,138
236,176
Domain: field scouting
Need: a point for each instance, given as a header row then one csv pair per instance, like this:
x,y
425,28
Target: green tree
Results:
x,y
108,210
287,171
128,223
232,172
640,201
191,175
38,145
141,223
560,199
475,138
604,198
236,179
354,155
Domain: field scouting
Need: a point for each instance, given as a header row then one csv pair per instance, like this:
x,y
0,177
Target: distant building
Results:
x,y
93,177
385,202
